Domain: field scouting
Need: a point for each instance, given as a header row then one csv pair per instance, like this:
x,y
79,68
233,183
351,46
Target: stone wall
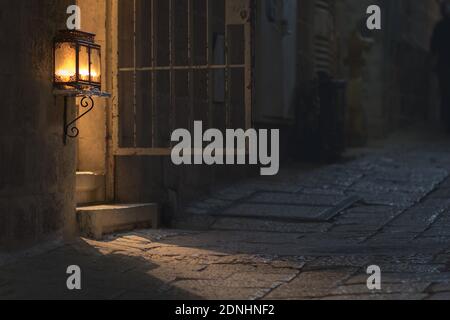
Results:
x,y
37,170
156,179
92,139
409,90
393,93
351,18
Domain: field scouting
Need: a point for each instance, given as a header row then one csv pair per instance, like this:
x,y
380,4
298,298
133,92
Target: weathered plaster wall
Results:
x,y
37,171
156,179
92,140
351,17
394,93
409,89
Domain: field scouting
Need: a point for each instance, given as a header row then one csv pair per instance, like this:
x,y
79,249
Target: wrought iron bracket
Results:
x,y
87,103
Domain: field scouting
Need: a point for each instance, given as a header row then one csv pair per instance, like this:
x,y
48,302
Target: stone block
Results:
x,y
96,221
90,188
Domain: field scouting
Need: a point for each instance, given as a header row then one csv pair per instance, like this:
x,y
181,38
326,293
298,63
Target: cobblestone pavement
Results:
x,y
305,234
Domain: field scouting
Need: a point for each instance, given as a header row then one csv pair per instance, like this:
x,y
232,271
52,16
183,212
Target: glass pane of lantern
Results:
x,y
65,62
95,65
84,63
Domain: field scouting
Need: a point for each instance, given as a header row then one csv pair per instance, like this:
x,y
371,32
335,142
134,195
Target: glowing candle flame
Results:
x,y
64,75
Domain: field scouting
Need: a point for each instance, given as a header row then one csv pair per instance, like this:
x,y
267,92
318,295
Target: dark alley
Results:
x,y
284,247
225,150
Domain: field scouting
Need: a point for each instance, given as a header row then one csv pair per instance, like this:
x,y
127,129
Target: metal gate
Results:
x,y
178,61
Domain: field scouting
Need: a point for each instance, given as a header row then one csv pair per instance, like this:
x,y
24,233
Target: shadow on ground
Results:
x,y
104,276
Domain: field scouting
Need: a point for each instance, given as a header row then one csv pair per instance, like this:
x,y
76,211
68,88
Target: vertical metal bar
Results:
x,y
134,74
208,70
227,73
207,32
65,121
77,62
54,63
171,76
153,77
89,64
190,62
248,67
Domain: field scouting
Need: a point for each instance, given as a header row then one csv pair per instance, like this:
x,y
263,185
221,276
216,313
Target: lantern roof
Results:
x,y
73,92
75,35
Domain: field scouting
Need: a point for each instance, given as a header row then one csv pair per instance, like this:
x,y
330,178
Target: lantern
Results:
x,y
77,61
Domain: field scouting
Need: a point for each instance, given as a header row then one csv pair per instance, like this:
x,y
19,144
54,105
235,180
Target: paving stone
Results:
x,y
386,288
380,186
387,278
274,211
296,199
390,235
386,199
274,187
207,291
268,226
435,203
438,231
338,238
408,267
442,287
363,230
441,296
442,257
311,284
374,296
259,279
374,211
324,190
436,240
415,219
333,261
270,243
441,193
233,193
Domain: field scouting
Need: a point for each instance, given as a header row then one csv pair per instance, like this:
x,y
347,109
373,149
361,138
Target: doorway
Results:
x,y
92,141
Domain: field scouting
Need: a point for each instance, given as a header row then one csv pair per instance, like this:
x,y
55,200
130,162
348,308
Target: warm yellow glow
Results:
x,y
66,68
84,63
65,63
95,66
84,75
64,75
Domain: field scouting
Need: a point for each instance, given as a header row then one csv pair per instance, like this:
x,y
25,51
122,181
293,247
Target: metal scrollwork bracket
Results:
x,y
70,128
87,104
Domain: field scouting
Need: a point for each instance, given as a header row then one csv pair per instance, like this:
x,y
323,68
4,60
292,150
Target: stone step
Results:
x,y
97,221
90,188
